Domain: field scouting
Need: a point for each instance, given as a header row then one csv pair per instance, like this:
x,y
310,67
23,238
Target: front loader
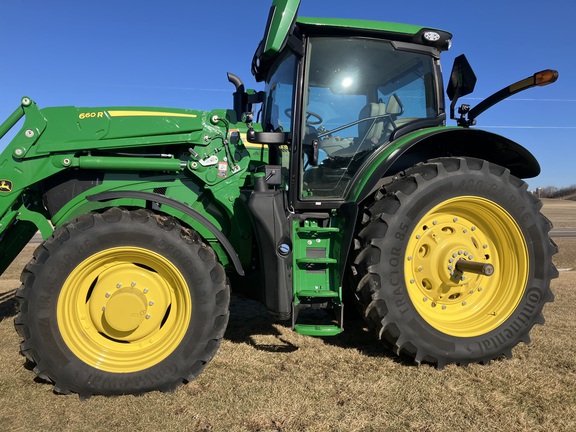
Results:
x,y
340,180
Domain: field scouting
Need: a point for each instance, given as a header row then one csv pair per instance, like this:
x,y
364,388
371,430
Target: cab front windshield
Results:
x,y
358,92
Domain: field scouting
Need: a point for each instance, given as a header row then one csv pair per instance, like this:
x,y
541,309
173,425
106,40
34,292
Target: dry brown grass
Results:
x,y
268,378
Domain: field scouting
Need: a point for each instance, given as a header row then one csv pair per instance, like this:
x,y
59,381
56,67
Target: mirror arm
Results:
x,y
542,78
453,106
272,138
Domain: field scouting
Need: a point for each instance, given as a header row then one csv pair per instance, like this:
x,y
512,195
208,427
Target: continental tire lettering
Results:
x,y
99,114
147,381
533,299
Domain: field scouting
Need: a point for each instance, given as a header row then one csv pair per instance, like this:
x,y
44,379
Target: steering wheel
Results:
x,y
309,114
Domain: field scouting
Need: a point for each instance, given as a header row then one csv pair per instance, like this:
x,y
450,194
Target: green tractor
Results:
x,y
340,180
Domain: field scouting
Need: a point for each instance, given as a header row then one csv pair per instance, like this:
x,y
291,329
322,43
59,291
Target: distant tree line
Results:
x,y
554,192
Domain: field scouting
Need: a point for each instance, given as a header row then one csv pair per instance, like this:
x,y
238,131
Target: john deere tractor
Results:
x,y
340,180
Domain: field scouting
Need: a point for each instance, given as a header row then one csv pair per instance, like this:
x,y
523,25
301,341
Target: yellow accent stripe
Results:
x,y
120,113
262,146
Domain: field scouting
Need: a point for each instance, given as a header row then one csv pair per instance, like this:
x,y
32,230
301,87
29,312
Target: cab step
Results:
x,y
327,261
310,229
318,294
317,330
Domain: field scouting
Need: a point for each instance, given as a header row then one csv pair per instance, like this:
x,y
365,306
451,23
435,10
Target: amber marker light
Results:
x,y
545,77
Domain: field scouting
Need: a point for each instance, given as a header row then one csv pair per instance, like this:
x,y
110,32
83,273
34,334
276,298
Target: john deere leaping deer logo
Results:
x,y
5,186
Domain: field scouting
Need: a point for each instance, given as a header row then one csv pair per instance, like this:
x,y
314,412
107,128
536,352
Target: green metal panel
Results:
x,y
282,14
356,24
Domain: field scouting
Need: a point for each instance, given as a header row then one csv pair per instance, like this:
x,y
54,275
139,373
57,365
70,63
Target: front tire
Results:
x,y
410,285
122,302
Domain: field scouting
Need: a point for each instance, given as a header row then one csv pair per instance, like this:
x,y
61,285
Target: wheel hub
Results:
x,y
128,302
126,309
439,245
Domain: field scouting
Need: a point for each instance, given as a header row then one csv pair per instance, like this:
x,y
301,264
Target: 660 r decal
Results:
x,y
86,115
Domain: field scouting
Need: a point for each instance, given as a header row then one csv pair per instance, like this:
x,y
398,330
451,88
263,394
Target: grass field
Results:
x,y
268,378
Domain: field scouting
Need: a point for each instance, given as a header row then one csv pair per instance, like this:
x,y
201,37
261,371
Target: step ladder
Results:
x,y
316,280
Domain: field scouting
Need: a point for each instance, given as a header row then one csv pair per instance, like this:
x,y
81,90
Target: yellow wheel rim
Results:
x,y
466,304
124,309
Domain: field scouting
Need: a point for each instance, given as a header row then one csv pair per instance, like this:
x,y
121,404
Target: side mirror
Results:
x,y
462,81
462,78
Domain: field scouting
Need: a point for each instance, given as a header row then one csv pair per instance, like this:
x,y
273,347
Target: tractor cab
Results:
x,y
339,91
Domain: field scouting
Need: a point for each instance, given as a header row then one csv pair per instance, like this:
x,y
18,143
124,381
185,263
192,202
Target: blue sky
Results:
x,y
176,53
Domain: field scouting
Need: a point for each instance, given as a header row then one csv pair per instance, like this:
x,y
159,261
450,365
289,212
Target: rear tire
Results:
x,y
122,302
413,234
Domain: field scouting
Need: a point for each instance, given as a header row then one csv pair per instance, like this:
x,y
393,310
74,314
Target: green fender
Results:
x,y
161,199
420,146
